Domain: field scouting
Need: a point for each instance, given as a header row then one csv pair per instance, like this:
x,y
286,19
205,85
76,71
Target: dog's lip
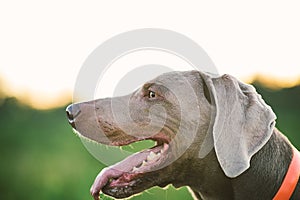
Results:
x,y
160,138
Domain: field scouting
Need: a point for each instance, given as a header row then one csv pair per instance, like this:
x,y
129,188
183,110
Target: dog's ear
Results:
x,y
242,124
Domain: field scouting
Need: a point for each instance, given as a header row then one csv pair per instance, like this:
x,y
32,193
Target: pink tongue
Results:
x,y
134,160
128,163
125,166
119,173
119,170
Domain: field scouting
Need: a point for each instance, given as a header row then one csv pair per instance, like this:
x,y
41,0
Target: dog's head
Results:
x,y
187,114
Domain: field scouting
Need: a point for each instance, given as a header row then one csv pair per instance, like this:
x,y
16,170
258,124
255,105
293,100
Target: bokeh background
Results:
x,y
43,45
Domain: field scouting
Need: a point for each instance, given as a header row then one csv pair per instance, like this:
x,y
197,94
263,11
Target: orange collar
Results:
x,y
291,178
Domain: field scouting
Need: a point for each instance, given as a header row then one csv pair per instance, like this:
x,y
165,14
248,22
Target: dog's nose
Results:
x,y
72,111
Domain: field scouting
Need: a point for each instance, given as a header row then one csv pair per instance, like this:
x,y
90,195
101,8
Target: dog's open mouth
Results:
x,y
134,166
124,178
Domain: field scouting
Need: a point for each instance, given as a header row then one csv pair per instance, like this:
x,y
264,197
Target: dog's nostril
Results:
x,y
73,111
69,112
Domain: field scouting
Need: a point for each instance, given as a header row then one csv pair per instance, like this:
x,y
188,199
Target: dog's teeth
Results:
x,y
134,169
144,163
165,147
151,156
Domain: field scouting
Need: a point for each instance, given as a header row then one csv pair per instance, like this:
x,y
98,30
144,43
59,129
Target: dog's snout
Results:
x,y
72,111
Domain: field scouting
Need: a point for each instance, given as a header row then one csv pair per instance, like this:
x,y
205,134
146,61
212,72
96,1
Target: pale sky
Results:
x,y
43,44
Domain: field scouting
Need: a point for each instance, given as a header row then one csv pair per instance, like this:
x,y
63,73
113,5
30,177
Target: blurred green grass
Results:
x,y
41,158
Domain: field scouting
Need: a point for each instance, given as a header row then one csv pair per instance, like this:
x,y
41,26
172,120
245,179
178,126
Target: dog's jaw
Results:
x,y
123,179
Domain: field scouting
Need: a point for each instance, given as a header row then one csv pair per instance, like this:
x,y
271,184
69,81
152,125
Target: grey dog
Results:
x,y
215,135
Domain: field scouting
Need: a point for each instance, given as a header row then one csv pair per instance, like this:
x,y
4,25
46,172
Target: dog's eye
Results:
x,y
151,94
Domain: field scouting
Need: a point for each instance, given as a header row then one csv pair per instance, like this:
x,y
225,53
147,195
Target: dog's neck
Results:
x,y
268,168
261,181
